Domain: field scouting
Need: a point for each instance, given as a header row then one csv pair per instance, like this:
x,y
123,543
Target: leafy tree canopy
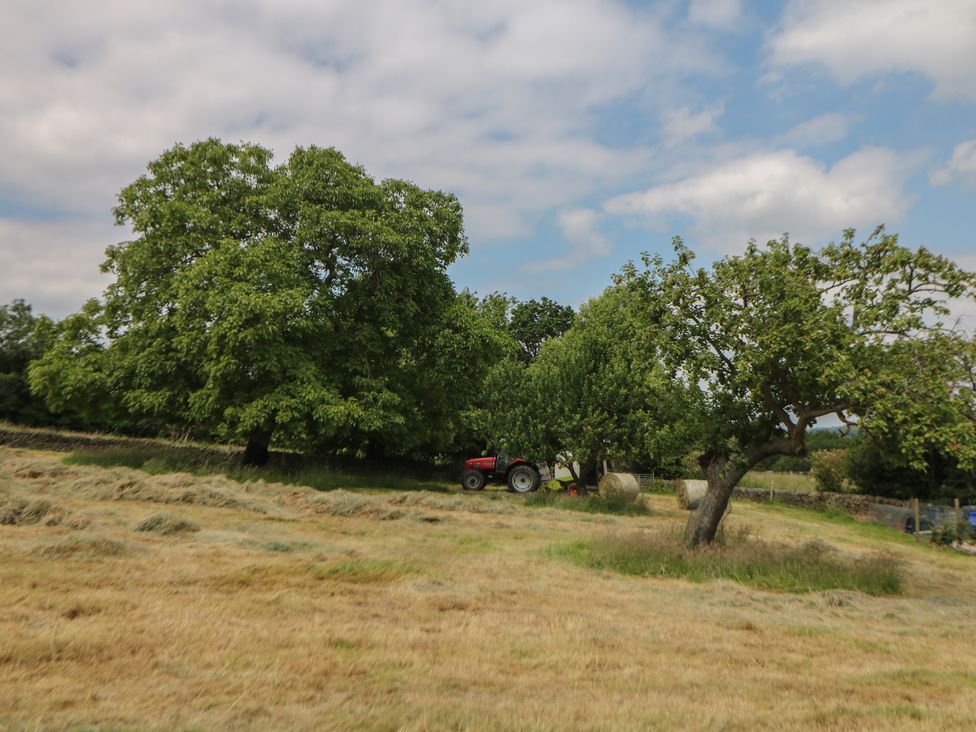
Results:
x,y
305,301
783,335
599,392
22,338
533,322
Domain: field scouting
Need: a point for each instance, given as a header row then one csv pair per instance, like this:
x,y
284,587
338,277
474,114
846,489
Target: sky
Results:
x,y
576,133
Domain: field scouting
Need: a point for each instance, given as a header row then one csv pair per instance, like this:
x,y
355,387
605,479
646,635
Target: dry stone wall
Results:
x,y
852,503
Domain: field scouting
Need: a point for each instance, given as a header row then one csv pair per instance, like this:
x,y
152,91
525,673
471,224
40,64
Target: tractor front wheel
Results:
x,y
523,479
473,480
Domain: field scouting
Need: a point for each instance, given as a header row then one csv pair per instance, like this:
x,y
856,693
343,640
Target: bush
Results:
x,y
877,467
951,532
829,469
809,568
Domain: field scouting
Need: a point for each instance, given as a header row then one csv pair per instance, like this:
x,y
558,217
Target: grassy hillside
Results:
x,y
135,599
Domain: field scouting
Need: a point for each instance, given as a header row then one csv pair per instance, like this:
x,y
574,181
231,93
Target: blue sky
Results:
x,y
577,133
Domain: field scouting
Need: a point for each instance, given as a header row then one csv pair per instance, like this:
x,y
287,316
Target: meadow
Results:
x,y
779,482
133,597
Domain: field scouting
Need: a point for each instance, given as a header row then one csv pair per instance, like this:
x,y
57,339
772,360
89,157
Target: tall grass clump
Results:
x,y
590,503
812,567
167,524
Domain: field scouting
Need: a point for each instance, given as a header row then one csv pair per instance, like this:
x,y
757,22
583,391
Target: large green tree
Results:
x,y
303,302
534,322
22,338
598,392
784,335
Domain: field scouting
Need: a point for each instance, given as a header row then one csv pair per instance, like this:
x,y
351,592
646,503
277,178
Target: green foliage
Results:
x,y
877,467
492,355
949,533
22,339
830,439
534,322
816,440
813,567
304,301
829,468
783,335
597,392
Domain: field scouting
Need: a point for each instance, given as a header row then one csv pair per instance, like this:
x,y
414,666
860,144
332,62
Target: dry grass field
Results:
x,y
174,602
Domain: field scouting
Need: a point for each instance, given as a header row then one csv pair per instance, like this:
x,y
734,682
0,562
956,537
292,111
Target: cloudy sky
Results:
x,y
577,133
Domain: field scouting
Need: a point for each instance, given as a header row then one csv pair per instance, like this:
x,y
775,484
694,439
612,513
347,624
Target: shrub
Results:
x,y
951,532
829,468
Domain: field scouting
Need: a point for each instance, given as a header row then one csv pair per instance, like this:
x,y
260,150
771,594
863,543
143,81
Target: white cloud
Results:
x,y
765,194
681,124
960,167
454,95
54,265
497,102
821,130
715,13
855,40
578,226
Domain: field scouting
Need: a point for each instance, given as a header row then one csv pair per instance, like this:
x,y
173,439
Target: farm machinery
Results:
x,y
519,474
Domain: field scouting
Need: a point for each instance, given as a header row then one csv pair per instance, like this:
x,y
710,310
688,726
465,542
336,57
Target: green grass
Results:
x,y
810,568
788,482
834,515
659,486
590,503
362,570
161,460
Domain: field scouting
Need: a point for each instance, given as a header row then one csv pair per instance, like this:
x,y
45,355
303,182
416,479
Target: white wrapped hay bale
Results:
x,y
619,486
691,493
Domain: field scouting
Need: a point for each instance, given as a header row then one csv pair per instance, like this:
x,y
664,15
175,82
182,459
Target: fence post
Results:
x,y
955,505
918,517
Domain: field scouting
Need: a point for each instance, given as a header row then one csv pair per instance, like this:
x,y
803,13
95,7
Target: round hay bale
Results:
x,y
690,493
619,486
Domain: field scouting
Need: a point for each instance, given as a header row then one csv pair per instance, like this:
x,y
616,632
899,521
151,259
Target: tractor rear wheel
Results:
x,y
473,480
523,479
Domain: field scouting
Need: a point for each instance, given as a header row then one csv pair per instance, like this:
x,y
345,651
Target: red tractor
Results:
x,y
519,474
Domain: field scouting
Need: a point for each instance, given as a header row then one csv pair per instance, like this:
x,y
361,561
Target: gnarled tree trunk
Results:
x,y
704,521
723,476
